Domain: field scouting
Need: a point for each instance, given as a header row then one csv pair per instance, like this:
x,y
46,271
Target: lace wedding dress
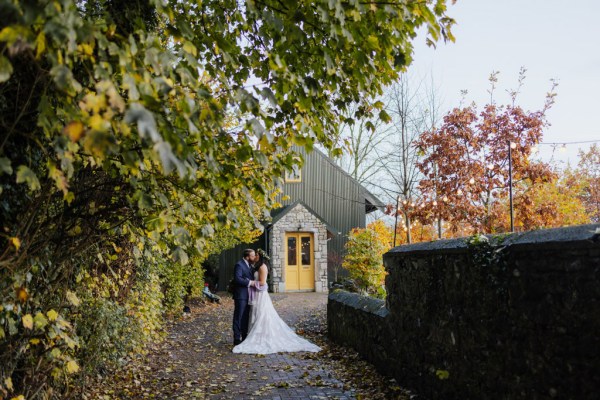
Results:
x,y
267,333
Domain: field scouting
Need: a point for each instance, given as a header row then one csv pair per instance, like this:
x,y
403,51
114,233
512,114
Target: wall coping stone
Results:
x,y
364,303
540,239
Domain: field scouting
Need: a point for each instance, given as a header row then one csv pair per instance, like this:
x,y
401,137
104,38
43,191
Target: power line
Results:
x,y
563,143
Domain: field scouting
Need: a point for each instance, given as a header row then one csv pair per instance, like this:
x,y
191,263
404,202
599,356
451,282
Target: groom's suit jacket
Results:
x,y
242,275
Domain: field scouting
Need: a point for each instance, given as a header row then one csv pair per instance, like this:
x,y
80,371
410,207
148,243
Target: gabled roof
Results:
x,y
372,203
281,212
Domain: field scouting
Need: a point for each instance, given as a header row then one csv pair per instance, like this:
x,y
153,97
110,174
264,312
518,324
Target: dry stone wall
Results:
x,y
516,317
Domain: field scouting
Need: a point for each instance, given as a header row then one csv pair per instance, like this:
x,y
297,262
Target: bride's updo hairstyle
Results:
x,y
264,258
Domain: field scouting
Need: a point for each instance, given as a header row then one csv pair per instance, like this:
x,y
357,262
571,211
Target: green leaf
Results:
x,y
180,256
12,326
168,159
268,94
399,60
63,77
25,175
5,165
146,124
384,116
145,201
6,69
373,42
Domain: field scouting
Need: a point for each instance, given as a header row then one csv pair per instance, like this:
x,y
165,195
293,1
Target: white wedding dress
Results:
x,y
267,333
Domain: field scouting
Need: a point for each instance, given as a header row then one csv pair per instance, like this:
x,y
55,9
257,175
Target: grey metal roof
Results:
x,y
369,197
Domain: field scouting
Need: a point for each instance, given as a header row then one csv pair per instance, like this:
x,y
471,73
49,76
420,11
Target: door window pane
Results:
x,y
305,249
291,251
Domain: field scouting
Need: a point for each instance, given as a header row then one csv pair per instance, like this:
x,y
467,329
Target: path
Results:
x,y
196,362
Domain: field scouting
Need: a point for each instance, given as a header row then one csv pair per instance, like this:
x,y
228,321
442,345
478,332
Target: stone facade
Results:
x,y
298,219
513,317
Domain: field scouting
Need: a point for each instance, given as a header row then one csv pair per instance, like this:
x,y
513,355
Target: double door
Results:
x,y
299,261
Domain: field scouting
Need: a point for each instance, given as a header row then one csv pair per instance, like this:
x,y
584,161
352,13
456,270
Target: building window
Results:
x,y
295,175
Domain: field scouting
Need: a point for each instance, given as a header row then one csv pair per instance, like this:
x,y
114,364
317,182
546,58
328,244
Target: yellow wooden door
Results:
x,y
299,266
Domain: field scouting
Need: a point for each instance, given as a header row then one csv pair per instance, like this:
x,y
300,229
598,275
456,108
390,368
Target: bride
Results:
x,y
267,333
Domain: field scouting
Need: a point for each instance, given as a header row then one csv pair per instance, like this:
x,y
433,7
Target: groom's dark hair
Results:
x,y
247,252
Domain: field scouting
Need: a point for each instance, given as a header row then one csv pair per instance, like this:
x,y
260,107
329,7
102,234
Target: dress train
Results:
x,y
268,333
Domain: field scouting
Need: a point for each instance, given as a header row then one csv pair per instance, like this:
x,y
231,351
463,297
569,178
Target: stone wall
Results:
x,y
518,318
299,216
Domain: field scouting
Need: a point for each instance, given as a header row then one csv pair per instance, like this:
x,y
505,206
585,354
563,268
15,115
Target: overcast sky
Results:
x,y
551,38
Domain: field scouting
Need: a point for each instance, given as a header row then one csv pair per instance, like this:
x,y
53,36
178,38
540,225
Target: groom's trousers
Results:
x,y
241,313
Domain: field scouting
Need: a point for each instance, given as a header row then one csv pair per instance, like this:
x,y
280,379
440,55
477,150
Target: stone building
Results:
x,y
305,238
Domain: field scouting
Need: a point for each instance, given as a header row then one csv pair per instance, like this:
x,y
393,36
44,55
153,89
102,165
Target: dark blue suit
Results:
x,y
242,275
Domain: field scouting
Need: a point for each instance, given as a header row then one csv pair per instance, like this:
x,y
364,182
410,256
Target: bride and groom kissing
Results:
x,y
257,327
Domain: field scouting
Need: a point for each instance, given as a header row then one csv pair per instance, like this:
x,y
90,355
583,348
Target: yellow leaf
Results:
x,y
19,397
22,294
442,374
8,383
34,341
40,321
73,299
58,176
52,315
74,130
86,49
40,44
72,367
93,102
97,122
55,373
28,321
15,241
69,197
188,47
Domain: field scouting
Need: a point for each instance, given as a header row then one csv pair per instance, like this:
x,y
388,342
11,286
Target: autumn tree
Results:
x,y
587,177
419,232
550,204
364,256
465,167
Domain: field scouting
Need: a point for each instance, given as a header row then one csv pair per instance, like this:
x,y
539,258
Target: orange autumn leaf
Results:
x,y
74,130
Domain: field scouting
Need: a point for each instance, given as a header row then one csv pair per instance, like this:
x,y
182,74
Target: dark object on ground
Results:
x,y
186,309
230,286
211,296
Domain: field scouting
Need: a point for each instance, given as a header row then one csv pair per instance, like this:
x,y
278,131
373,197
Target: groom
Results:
x,y
243,279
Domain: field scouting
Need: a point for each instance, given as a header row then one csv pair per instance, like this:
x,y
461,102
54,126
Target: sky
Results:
x,y
552,39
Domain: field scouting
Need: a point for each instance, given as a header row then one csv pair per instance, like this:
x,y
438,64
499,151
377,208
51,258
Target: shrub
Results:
x,y
364,257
